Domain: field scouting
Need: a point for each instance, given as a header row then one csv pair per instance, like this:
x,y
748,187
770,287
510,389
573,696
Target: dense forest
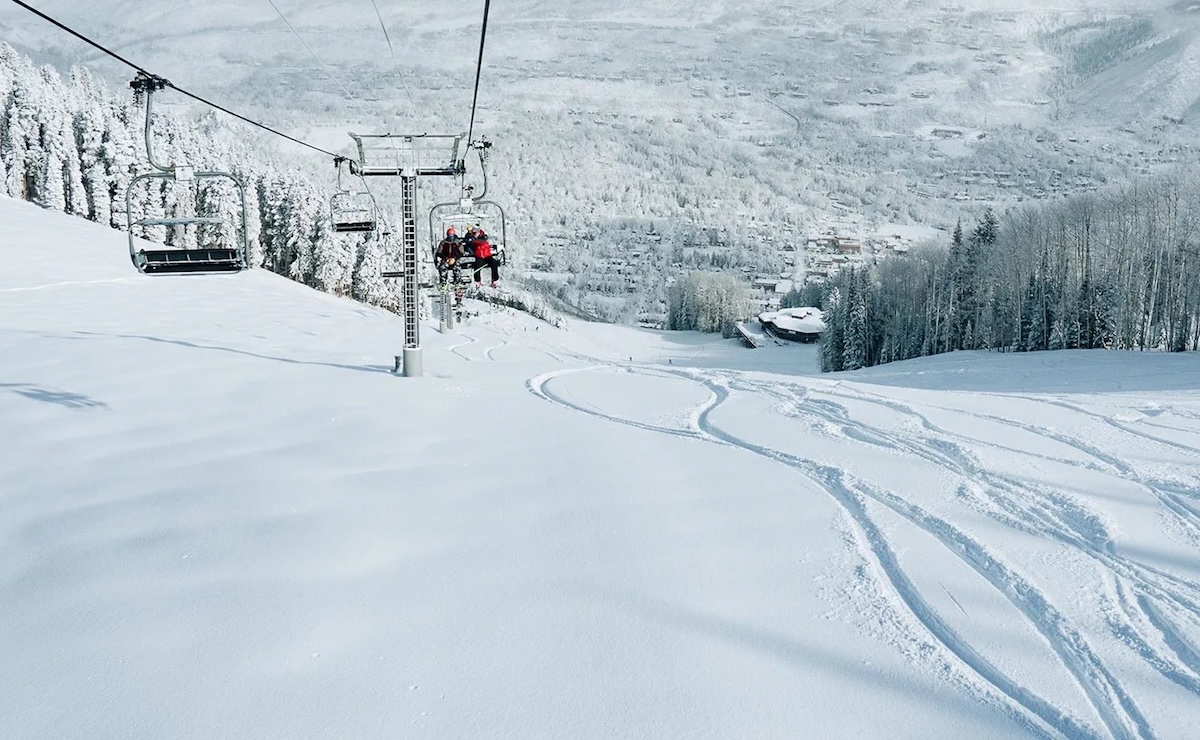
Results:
x,y
1119,269
708,302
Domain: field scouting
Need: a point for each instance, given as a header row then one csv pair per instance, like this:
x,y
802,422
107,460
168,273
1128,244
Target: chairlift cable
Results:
x,y
391,50
320,61
362,108
240,117
143,70
78,35
479,68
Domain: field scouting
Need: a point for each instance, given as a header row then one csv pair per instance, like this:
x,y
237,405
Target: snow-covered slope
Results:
x,y
757,122
1135,68
223,517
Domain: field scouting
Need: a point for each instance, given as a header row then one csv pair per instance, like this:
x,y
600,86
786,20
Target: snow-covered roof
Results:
x,y
803,320
801,326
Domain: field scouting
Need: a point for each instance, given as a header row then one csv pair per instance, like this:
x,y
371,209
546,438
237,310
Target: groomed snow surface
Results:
x,y
222,516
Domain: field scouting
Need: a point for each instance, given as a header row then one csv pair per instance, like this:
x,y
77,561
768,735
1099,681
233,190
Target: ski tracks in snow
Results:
x,y
540,387
488,354
1104,692
1054,515
457,348
504,342
66,283
1140,591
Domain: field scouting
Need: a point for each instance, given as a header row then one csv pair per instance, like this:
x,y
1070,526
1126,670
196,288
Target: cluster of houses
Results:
x,y
802,259
824,254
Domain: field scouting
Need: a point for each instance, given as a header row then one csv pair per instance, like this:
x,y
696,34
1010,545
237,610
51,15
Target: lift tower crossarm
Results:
x,y
417,155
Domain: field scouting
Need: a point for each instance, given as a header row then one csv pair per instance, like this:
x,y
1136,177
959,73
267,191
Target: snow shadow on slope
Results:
x,y
65,399
234,350
800,652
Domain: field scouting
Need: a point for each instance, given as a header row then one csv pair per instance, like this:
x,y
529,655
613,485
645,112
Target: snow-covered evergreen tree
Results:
x,y
832,345
856,342
22,135
367,284
707,302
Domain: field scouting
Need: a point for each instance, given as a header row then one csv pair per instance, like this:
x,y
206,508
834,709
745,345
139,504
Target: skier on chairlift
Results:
x,y
468,241
482,249
449,254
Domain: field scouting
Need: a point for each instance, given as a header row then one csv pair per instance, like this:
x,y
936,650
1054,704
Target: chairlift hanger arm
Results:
x,y
144,86
487,4
338,161
482,148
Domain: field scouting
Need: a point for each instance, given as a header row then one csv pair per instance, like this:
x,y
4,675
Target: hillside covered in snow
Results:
x,y
654,138
223,516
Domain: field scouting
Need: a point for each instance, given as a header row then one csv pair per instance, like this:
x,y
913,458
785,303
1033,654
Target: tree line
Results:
x,y
707,302
72,145
1118,269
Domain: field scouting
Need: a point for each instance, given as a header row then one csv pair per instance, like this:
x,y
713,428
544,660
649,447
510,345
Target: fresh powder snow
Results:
x,y
222,515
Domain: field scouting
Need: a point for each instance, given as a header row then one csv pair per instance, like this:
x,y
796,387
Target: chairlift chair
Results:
x,y
485,213
406,155
472,209
166,259
352,211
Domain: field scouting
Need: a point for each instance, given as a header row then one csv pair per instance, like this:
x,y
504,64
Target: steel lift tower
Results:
x,y
409,156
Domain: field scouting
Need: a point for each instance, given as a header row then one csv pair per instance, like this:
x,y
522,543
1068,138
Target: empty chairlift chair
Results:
x,y
230,257
351,211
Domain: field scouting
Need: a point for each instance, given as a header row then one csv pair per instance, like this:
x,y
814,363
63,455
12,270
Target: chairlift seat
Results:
x,y
352,212
353,226
158,261
195,220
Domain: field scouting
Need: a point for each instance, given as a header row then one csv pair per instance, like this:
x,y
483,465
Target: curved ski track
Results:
x,y
1140,589
454,348
1148,583
1070,526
